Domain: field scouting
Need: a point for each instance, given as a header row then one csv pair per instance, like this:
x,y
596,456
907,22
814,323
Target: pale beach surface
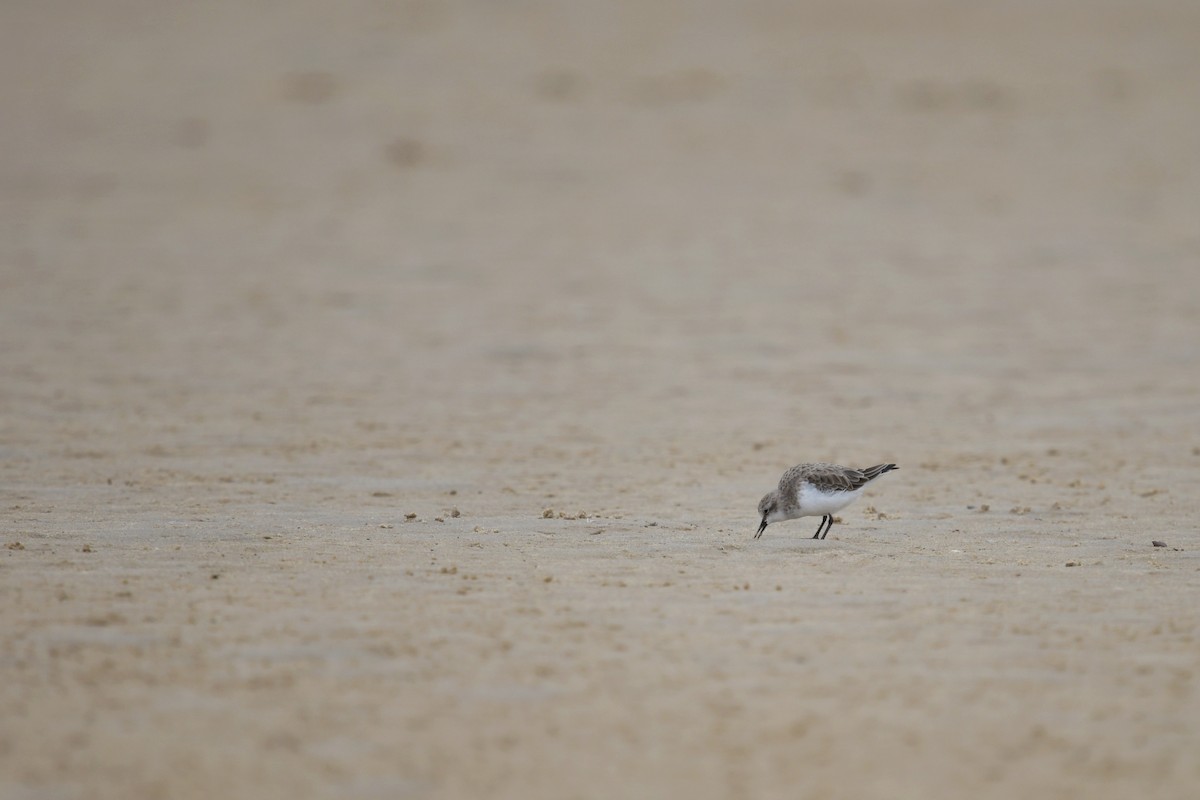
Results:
x,y
386,390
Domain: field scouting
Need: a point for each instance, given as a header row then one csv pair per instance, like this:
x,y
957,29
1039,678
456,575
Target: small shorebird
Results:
x,y
816,490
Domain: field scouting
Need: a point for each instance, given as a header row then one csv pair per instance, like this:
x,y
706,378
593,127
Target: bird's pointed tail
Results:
x,y
871,473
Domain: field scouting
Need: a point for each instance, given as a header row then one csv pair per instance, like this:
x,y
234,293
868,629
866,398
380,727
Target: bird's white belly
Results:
x,y
815,503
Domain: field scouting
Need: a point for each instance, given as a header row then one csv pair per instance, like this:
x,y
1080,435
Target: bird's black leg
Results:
x,y
817,535
830,525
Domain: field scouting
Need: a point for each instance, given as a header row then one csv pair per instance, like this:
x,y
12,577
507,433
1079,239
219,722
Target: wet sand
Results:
x,y
387,391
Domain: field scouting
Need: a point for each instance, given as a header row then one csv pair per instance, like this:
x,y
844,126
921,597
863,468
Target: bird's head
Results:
x,y
768,509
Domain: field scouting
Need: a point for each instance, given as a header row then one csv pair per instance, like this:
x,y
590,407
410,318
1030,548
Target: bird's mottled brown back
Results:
x,y
831,477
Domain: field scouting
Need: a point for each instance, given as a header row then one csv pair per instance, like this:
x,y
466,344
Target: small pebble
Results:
x,y
1157,543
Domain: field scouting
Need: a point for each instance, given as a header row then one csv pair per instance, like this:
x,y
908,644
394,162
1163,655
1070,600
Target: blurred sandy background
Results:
x,y
386,389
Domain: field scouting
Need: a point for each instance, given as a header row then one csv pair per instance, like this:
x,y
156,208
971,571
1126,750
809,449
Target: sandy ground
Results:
x,y
386,390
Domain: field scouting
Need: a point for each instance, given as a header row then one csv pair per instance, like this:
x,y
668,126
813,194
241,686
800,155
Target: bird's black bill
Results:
x,y
761,528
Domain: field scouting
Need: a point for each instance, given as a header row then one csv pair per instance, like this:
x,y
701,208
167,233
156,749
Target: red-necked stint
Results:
x,y
816,490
